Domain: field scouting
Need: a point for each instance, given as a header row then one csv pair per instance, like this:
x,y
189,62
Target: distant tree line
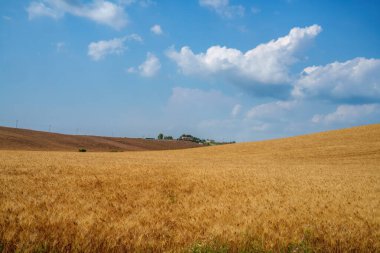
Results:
x,y
161,136
189,137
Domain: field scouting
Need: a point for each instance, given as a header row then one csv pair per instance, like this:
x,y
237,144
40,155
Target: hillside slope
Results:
x,y
24,139
312,193
356,141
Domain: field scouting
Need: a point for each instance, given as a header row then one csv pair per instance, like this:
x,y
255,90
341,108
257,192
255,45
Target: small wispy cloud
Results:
x,y
99,11
271,109
60,46
236,110
156,29
142,3
38,9
223,8
100,49
6,18
255,10
348,114
150,67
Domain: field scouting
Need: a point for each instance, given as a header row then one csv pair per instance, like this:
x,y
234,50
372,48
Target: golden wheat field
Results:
x,y
318,192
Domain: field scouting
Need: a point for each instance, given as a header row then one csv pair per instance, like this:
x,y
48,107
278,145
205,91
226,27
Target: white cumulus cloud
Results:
x,y
267,63
349,114
100,11
98,50
223,8
150,67
156,29
356,78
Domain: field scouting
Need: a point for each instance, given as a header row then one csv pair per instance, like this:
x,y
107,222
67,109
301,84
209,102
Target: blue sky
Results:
x,y
227,70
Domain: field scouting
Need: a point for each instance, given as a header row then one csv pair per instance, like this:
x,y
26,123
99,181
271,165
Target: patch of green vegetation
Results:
x,y
208,248
217,246
82,150
42,248
251,245
299,247
172,198
304,246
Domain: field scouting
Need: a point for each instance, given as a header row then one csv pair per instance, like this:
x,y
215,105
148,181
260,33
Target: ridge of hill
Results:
x,y
25,139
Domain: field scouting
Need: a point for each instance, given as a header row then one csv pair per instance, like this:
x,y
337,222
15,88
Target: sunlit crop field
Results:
x,y
319,192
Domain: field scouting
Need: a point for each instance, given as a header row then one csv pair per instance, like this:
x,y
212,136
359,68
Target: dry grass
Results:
x,y
311,193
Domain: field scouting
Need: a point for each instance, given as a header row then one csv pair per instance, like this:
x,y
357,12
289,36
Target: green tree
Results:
x,y
160,136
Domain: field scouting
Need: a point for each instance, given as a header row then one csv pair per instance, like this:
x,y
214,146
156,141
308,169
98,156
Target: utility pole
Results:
x,y
49,128
17,123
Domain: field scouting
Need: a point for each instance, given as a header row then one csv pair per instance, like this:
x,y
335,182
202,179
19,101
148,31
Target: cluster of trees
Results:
x,y
161,136
189,137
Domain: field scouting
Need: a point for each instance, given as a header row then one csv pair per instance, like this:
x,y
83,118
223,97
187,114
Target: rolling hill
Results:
x,y
24,139
311,193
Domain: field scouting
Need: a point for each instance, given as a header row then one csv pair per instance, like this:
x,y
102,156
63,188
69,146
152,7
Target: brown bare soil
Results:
x,y
23,139
313,193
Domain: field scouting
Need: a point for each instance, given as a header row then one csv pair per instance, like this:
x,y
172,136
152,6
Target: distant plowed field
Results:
x,y
23,139
317,192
